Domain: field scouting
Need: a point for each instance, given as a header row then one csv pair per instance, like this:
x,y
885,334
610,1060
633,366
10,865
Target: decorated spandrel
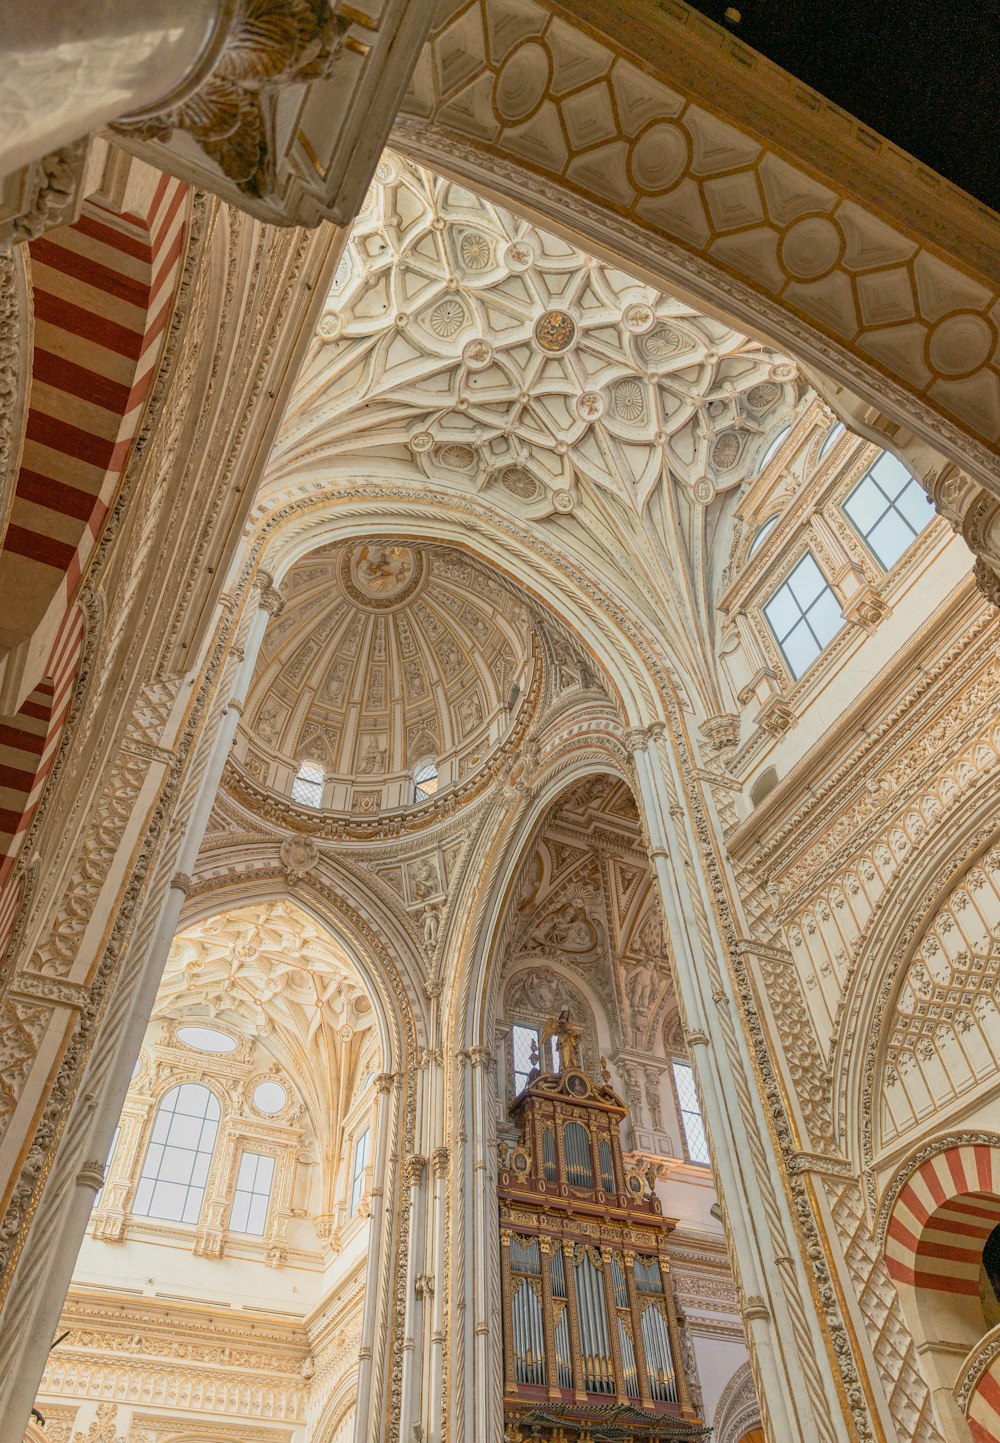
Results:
x,y
592,1350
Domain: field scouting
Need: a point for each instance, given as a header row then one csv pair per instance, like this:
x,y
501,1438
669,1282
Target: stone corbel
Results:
x,y
290,119
775,716
975,514
860,601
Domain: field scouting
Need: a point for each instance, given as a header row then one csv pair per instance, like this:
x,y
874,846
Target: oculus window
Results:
x,y
361,1149
804,615
175,1169
695,1141
830,439
269,1097
206,1039
307,788
253,1193
888,509
774,447
762,535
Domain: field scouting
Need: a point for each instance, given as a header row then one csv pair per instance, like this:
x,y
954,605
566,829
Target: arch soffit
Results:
x,y
396,1008
476,994
657,219
880,959
647,683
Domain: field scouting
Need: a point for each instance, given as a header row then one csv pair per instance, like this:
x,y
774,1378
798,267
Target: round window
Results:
x,y
206,1039
269,1097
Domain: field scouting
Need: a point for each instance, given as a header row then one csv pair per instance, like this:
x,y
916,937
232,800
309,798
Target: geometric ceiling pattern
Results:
x,y
501,358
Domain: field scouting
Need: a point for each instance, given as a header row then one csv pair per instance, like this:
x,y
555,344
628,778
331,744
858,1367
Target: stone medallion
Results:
x,y
379,574
555,331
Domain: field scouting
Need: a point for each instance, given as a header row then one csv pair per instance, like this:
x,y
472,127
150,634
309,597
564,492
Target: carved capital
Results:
x,y
721,732
416,1166
270,44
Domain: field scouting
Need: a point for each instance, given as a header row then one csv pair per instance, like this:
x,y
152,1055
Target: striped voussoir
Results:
x,y
942,1218
28,744
103,292
983,1411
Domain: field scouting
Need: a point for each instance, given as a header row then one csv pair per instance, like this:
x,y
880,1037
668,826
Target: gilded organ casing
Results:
x,y
591,1335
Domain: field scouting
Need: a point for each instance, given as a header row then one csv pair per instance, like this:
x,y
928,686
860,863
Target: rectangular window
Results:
x,y
687,1100
525,1047
360,1164
888,509
253,1193
804,615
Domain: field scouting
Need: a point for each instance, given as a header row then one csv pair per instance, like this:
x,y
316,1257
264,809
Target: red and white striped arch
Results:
x,y
104,290
983,1410
941,1219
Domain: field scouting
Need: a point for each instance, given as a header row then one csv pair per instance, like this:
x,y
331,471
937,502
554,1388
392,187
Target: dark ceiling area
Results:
x,y
925,74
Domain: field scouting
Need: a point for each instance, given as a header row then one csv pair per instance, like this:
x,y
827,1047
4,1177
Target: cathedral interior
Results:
x,y
499,737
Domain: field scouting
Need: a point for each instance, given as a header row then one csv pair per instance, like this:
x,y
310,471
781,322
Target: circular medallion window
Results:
x,y
206,1039
555,331
269,1097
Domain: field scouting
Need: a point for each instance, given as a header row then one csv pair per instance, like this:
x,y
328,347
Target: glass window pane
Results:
x,y
240,1212
890,538
803,614
865,505
916,506
825,617
801,649
891,475
832,437
175,1168
806,581
782,612
888,508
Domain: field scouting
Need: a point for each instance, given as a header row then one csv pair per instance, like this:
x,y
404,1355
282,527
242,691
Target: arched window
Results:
x,y
307,788
695,1141
175,1170
830,439
781,437
425,779
361,1150
762,535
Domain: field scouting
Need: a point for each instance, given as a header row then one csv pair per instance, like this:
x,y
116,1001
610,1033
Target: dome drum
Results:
x,y
386,655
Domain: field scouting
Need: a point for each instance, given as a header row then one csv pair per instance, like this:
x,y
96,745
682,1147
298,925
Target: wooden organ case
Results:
x,y
590,1332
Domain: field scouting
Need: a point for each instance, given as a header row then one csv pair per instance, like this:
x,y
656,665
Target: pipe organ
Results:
x,y
590,1331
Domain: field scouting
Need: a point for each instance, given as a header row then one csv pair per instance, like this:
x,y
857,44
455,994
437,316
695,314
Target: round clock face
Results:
x,y
577,1084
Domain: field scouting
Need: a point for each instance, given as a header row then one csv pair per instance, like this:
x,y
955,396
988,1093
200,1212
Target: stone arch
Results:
x,y
935,1218
737,1412
881,955
103,288
325,903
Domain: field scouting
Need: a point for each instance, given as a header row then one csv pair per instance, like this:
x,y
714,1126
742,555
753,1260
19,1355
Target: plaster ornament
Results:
x,y
299,856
